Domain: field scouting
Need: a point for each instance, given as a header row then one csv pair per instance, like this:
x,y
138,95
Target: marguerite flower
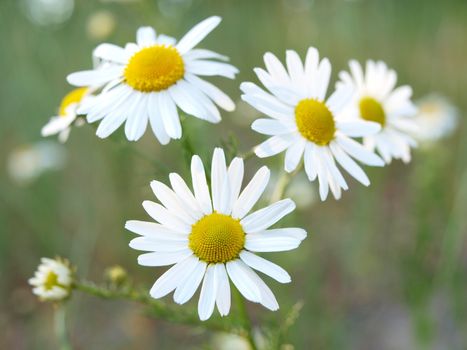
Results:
x,y
306,124
53,279
146,82
376,100
436,118
67,115
211,237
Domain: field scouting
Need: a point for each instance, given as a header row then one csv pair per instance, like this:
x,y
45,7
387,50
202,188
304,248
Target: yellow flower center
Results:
x,y
154,68
217,238
74,96
51,280
315,121
372,110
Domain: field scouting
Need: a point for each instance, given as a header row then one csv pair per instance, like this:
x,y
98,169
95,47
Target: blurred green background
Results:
x,y
383,268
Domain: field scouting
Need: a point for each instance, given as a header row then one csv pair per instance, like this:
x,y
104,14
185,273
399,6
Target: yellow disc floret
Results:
x,y
372,110
217,238
51,280
315,121
154,68
74,96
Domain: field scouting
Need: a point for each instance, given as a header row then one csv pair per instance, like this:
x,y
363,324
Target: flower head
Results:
x,y
305,124
375,99
53,279
210,237
146,81
436,118
67,114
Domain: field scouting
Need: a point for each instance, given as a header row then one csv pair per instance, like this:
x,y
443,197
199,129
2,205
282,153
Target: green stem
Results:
x,y
282,184
248,154
60,327
156,308
245,319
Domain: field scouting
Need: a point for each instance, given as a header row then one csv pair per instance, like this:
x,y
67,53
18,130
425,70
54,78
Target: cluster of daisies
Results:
x,y
211,232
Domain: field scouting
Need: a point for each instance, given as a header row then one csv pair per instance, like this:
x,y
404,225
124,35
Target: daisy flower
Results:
x,y
307,125
436,118
53,279
67,115
377,100
211,237
146,81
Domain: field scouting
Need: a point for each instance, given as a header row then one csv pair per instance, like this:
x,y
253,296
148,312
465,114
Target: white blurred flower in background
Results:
x,y
26,163
52,280
377,99
226,341
101,24
48,12
436,118
67,115
301,191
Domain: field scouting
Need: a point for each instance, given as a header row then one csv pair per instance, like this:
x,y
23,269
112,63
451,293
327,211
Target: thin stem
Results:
x,y
248,154
282,184
245,319
60,327
156,308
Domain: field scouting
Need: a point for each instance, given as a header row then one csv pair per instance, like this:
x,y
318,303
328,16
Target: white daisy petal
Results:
x,y
274,145
111,53
264,243
166,218
170,200
172,278
241,276
276,69
294,155
251,193
145,36
310,167
268,299
154,230
218,174
137,118
272,270
159,245
295,69
324,75
187,288
272,127
184,193
94,77
235,174
210,68
268,216
200,185
214,93
357,151
163,258
155,119
349,164
200,54
357,128
110,123
207,298
165,40
223,289
169,115
197,33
